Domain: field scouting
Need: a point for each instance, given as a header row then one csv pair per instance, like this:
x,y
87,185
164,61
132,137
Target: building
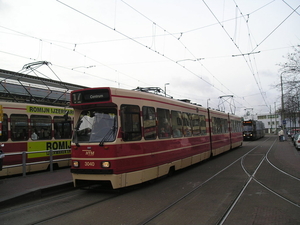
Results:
x,y
273,122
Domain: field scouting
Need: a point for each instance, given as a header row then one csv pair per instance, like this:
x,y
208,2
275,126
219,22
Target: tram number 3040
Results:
x,y
89,163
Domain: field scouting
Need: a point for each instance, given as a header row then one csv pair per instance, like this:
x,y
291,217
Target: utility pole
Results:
x,y
271,119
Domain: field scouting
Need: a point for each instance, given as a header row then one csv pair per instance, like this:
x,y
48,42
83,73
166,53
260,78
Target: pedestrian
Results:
x,y
280,135
34,135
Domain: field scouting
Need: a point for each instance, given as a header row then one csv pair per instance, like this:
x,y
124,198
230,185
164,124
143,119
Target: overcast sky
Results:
x,y
203,49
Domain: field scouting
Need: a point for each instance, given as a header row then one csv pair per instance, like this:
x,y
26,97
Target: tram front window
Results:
x,y
247,128
96,126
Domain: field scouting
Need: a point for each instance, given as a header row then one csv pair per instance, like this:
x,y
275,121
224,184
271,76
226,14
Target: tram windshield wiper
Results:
x,y
108,135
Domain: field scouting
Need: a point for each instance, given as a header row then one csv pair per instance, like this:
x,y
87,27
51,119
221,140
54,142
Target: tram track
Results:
x,y
64,204
193,190
49,219
171,202
253,178
242,191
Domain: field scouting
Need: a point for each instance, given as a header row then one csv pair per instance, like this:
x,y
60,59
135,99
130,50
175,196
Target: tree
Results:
x,y
290,83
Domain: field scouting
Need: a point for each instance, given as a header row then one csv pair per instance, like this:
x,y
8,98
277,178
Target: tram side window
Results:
x,y
195,124
187,130
203,125
41,125
225,125
131,123
220,125
19,127
176,124
236,126
240,126
149,123
62,127
216,125
4,136
164,128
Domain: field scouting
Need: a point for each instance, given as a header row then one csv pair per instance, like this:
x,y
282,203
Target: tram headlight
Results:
x,y
105,164
75,164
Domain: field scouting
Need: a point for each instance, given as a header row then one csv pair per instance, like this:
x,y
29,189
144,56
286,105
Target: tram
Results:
x,y
253,130
126,137
30,129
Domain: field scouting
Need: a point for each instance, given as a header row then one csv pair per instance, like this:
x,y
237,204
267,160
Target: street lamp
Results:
x,y
166,88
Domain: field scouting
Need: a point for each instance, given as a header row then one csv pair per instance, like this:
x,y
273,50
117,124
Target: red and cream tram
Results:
x,y
126,137
30,129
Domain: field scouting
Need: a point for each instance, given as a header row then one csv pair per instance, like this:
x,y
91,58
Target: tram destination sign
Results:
x,y
87,96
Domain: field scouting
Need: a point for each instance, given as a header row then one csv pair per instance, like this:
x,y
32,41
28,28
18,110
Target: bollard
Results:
x,y
1,159
1,156
24,163
51,160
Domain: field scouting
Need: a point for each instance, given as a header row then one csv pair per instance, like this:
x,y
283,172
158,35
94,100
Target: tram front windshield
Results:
x,y
97,125
247,128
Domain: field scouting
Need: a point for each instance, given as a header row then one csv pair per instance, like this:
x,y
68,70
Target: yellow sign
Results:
x,y
64,148
48,110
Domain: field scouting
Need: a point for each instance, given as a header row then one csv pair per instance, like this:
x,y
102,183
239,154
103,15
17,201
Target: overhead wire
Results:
x,y
154,50
294,10
185,47
134,40
69,49
235,44
175,35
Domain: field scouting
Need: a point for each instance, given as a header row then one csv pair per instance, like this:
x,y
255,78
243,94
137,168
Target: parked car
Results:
x,y
297,141
295,138
292,132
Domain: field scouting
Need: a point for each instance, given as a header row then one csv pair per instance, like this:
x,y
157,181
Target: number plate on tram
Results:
x,y
89,163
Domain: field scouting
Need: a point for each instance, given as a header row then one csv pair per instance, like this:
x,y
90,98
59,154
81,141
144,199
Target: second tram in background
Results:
x,y
253,130
30,129
126,137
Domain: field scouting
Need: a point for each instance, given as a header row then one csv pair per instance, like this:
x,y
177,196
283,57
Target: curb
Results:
x,y
36,194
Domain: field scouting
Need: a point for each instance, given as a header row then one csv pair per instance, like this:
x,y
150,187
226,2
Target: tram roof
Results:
x,y
6,74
